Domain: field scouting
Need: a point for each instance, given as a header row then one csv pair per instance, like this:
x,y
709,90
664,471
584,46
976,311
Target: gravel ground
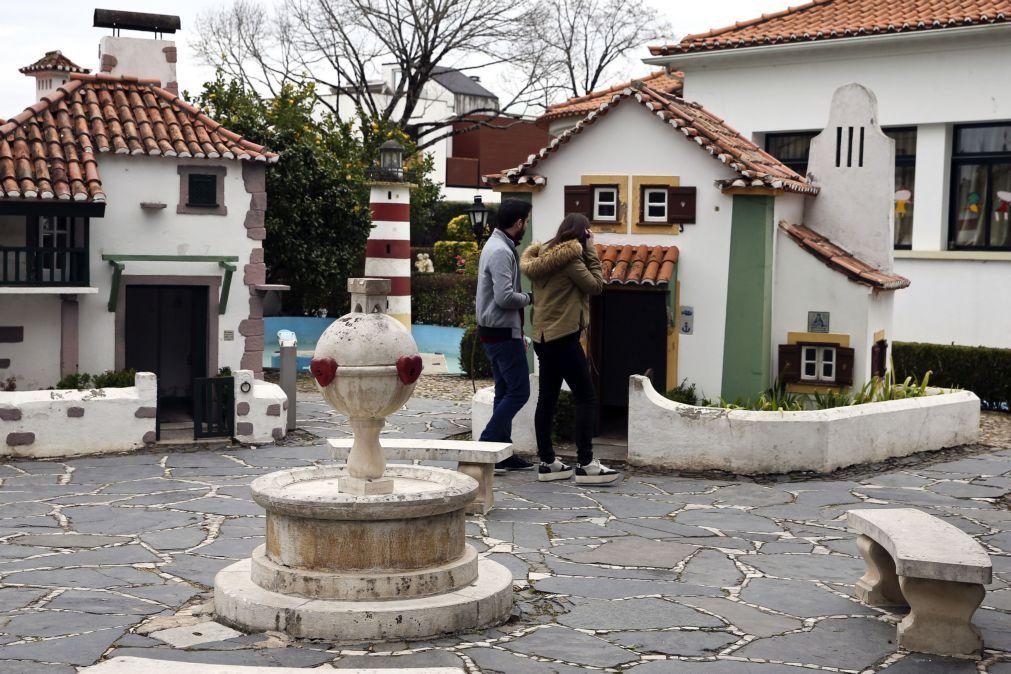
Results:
x,y
995,429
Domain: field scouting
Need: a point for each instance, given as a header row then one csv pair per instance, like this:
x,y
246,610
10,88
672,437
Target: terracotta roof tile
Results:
x,y
754,166
581,105
637,265
834,19
53,60
49,150
842,261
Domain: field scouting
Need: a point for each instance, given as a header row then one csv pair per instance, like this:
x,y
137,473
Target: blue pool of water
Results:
x,y
430,339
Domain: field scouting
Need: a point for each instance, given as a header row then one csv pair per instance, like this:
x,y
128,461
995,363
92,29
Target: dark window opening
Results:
x,y
981,188
203,190
792,148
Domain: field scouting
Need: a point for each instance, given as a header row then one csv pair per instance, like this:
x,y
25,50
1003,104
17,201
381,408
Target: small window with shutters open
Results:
x,y
605,204
654,205
599,203
818,364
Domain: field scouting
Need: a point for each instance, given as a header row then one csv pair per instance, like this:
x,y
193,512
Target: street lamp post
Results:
x,y
478,214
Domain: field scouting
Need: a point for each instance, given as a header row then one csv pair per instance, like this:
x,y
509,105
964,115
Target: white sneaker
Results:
x,y
595,473
548,472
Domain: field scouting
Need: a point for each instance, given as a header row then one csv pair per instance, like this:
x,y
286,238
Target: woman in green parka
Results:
x,y
565,273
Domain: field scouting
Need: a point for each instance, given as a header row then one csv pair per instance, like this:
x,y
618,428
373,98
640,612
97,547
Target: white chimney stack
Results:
x,y
144,58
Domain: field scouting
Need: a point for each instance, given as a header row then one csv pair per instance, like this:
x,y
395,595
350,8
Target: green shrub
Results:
x,y
460,257
107,379
458,229
473,360
442,299
684,393
983,370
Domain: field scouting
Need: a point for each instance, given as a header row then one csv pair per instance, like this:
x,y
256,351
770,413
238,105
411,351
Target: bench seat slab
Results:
x,y
940,617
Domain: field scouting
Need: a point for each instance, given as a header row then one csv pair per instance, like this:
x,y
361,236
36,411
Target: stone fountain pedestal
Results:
x,y
365,552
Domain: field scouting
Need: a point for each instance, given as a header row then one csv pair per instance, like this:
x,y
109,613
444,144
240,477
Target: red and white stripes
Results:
x,y
388,251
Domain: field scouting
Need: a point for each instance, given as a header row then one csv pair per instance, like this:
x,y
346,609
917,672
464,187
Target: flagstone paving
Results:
x,y
660,573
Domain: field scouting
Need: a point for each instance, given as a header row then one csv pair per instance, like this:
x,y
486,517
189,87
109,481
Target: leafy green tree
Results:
x,y
317,199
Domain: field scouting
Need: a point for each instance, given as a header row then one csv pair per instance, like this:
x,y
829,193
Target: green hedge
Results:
x,y
983,370
443,299
473,360
446,253
107,379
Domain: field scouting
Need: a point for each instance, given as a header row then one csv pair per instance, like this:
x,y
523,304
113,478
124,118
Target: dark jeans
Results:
x,y
563,359
512,387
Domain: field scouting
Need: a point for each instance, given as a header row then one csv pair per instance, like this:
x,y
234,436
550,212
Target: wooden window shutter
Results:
x,y
681,205
844,366
879,358
579,199
789,363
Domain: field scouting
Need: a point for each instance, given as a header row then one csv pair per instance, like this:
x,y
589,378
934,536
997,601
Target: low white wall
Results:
x,y
57,423
524,441
260,415
667,434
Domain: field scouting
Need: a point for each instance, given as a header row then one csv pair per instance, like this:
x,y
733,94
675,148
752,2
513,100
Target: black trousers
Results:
x,y
563,360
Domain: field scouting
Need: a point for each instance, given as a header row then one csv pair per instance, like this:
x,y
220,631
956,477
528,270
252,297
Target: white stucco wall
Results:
x,y
34,362
666,434
44,424
802,283
260,415
930,80
631,141
142,57
128,229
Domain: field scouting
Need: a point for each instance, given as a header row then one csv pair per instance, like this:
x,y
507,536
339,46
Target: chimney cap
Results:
x,y
152,23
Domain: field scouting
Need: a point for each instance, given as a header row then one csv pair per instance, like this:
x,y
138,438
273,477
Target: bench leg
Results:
x,y
484,473
879,585
940,617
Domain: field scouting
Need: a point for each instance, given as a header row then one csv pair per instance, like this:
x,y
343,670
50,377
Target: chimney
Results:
x,y
142,57
51,72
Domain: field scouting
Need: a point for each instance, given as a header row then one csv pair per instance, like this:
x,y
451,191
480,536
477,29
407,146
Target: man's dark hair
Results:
x,y
510,211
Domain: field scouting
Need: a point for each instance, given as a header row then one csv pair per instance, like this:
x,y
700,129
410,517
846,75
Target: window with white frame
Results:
x,y
817,363
605,204
654,204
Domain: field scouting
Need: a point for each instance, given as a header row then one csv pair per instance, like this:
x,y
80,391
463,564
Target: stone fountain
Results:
x,y
366,551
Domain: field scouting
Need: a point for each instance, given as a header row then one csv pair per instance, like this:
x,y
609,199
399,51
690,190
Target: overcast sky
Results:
x,y
30,29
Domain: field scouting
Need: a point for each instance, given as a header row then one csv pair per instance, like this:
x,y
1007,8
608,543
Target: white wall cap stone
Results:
x,y
464,451
924,546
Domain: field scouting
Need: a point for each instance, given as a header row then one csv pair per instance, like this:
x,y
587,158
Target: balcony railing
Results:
x,y
43,266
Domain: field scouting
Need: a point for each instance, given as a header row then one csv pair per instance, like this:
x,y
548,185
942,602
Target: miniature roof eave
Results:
x,y
842,261
53,61
696,124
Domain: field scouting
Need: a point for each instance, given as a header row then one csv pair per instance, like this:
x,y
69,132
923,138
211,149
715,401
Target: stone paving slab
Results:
x,y
660,573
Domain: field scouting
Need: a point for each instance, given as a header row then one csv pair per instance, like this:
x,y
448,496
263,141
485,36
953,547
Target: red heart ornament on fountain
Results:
x,y
409,369
324,370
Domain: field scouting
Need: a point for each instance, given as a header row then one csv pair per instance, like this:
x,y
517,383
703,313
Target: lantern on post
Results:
x,y
391,160
478,214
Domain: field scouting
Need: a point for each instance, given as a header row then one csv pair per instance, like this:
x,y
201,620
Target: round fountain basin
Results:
x,y
313,526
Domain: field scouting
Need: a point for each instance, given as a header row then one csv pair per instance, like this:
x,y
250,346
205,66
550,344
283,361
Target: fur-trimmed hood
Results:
x,y
540,261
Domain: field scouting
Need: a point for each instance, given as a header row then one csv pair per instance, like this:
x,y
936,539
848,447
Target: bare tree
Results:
x,y
343,44
583,42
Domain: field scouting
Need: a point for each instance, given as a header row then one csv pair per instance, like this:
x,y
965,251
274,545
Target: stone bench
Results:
x,y
936,569
476,459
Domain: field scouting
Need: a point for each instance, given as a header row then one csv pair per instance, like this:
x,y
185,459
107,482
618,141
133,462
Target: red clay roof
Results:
x,y
832,19
581,105
49,151
637,265
755,166
842,261
53,60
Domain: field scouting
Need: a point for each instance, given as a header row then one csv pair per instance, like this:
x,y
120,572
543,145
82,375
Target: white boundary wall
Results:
x,y
51,423
260,415
663,433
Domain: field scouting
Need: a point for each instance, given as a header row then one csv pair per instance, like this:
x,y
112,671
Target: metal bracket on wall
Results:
x,y
226,262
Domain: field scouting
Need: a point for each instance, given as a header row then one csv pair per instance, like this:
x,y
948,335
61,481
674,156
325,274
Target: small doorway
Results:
x,y
628,335
166,333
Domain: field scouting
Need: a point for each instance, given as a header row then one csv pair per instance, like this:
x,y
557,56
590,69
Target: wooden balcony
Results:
x,y
43,267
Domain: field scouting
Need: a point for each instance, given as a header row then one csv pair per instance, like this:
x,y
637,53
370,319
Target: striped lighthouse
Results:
x,y
388,250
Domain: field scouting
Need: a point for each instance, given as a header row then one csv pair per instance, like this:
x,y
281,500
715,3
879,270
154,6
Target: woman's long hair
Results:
x,y
574,226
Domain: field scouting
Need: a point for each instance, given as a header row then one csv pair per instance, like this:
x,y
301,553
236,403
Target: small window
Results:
x,y
981,188
654,204
605,204
203,190
818,363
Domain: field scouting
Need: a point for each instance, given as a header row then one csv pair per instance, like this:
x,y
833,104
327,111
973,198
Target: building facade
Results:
x,y
940,74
